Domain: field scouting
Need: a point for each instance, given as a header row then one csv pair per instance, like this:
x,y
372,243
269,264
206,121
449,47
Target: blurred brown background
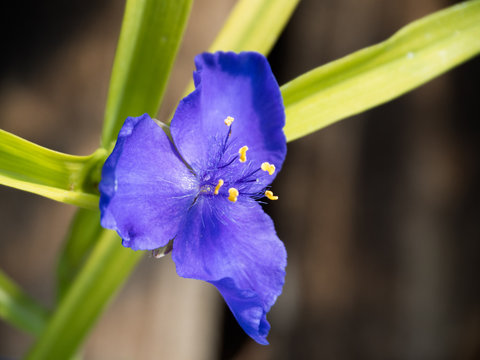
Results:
x,y
379,213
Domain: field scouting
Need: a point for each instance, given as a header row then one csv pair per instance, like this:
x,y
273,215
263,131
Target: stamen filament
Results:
x,y
243,153
269,194
270,168
233,194
217,188
227,164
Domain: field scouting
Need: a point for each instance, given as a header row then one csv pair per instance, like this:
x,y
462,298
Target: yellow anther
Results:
x,y
228,121
270,168
243,153
233,194
219,185
270,195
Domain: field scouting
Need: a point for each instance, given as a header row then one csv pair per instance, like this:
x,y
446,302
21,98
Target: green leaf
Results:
x,y
18,309
82,236
149,40
417,53
66,178
253,25
104,272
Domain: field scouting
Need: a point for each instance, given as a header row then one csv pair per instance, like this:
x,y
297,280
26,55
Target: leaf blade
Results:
x,y
253,25
61,177
417,53
149,41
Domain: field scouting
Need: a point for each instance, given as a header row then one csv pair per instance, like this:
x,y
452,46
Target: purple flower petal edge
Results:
x,y
237,250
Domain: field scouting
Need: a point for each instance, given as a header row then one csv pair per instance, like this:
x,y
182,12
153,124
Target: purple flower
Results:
x,y
202,189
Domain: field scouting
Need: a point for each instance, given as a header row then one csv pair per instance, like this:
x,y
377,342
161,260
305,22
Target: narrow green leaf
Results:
x,y
104,272
66,178
417,53
18,309
149,40
253,25
82,236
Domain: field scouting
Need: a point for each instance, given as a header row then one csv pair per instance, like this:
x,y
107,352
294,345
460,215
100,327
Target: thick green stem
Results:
x,y
103,274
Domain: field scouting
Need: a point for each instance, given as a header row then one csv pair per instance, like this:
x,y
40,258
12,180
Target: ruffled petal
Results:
x,y
234,247
241,86
145,189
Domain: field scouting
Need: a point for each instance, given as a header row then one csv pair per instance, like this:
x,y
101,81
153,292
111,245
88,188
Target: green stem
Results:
x,y
103,274
19,309
84,232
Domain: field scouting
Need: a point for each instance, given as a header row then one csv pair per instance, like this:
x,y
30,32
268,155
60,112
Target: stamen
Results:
x,y
270,168
269,194
233,194
243,153
228,121
217,188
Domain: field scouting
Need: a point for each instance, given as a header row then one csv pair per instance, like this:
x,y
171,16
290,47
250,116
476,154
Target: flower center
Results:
x,y
240,178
